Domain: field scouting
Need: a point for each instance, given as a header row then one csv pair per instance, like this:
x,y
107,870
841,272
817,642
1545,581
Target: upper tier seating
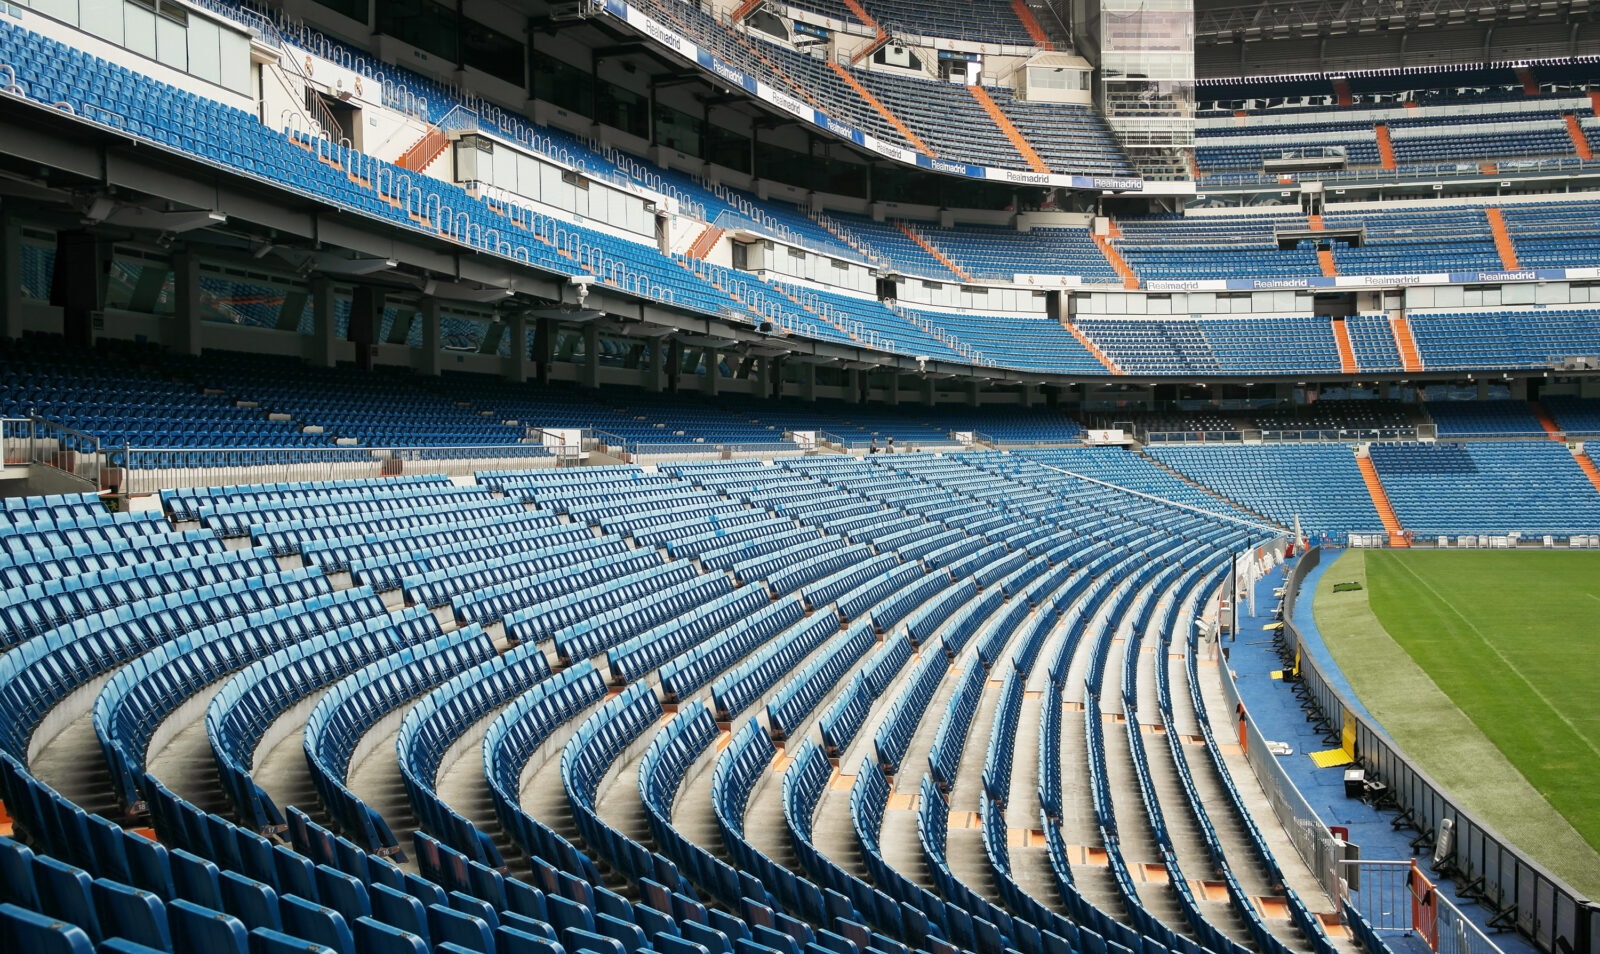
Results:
x,y
1488,487
1504,339
1484,419
1576,416
991,252
1156,248
982,21
1082,145
1018,342
1350,418
1480,135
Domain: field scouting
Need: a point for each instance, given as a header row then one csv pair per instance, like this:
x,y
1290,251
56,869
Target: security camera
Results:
x,y
922,362
582,282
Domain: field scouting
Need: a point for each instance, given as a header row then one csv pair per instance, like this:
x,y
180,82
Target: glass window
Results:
x,y
354,9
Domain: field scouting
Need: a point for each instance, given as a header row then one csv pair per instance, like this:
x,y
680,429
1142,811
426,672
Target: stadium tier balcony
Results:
x,y
1487,487
1484,419
1320,484
983,252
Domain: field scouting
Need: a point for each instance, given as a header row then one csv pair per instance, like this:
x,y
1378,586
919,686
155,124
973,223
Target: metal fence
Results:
x,y
48,444
642,453
1397,897
144,470
16,434
1490,870
1290,435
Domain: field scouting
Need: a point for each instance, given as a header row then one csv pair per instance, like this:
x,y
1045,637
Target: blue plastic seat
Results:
x,y
251,901
66,893
199,930
375,937
132,913
472,933
267,941
312,921
25,930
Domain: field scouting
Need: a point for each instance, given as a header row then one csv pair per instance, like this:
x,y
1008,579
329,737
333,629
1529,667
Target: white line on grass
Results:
x,y
1503,658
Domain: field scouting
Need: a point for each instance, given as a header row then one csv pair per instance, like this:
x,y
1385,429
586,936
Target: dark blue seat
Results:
x,y
472,933
66,893
295,873
625,933
312,921
671,944
711,939
132,913
24,930
343,892
250,901
268,941
426,891
375,937
16,875
198,930
566,914
574,939
195,879
398,909
121,945
525,899
150,866
510,940
528,925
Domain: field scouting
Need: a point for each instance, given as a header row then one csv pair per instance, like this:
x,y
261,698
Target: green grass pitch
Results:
x,y
1510,639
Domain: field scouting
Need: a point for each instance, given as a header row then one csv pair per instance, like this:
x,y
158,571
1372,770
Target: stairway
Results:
x,y
1347,351
1502,239
1385,147
422,153
862,14
1587,466
1092,348
1380,500
1023,147
1547,422
1325,260
1530,86
1341,89
875,103
1114,258
1580,142
928,247
744,9
1030,23
1410,358
705,242
878,42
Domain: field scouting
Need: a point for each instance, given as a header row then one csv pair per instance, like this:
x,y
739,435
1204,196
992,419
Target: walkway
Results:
x,y
1276,709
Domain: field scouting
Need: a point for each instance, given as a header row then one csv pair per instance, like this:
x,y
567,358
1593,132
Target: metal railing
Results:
x,y
1395,897
1306,435
58,447
641,452
145,470
15,437
1494,873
